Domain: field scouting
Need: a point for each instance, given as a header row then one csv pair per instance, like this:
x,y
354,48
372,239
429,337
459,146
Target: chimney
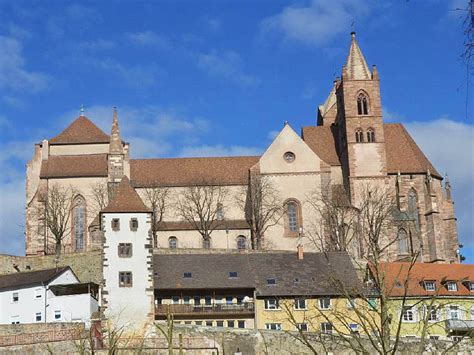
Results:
x,y
300,252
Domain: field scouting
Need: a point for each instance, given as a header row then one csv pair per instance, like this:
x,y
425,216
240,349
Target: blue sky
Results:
x,y
220,77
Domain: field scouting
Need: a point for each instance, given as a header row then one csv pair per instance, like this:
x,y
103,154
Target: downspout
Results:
x,y
45,300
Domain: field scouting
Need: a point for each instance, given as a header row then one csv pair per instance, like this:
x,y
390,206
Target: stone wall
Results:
x,y
216,341
87,266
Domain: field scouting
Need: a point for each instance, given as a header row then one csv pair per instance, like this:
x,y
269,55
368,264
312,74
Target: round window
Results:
x,y
289,157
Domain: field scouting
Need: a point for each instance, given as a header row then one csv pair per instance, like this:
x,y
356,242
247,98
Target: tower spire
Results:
x,y
115,141
82,110
356,66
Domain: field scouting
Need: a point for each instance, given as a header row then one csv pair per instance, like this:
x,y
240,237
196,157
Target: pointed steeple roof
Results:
x,y
356,66
80,131
115,141
126,200
330,101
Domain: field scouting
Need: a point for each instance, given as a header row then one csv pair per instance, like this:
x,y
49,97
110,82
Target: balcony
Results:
x,y
190,310
458,325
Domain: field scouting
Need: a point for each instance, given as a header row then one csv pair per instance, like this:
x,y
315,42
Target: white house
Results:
x,y
127,261
52,295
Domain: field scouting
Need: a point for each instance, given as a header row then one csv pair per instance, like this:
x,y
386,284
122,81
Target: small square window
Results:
x,y
133,224
125,279
187,275
354,328
302,326
324,303
38,293
186,300
175,300
125,250
38,317
229,300
273,326
115,224
326,328
209,323
451,286
233,274
220,323
15,297
372,304
408,314
434,337
271,303
300,303
57,315
271,281
241,324
471,286
430,285
230,324
15,319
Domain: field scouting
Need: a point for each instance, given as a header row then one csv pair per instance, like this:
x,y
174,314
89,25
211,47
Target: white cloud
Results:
x,y
227,65
318,22
390,116
13,74
147,38
219,151
450,147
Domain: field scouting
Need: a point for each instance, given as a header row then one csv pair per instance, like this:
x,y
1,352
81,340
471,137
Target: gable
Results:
x,y
80,131
305,160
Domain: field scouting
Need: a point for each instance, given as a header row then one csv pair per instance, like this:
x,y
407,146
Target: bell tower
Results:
x,y
359,119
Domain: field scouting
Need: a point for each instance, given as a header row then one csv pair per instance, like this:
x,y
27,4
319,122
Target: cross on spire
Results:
x,y
82,110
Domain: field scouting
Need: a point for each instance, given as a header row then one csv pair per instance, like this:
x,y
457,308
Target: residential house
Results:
x,y
432,299
52,295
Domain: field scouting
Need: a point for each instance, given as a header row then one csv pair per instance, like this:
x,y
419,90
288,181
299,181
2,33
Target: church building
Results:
x,y
348,149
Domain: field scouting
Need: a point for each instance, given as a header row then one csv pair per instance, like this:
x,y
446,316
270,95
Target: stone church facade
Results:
x,y
348,149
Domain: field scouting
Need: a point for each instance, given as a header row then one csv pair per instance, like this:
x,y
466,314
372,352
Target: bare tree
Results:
x,y
156,198
99,197
378,315
336,221
203,208
262,205
53,213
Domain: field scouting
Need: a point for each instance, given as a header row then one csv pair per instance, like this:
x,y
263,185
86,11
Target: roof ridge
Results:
x,y
183,158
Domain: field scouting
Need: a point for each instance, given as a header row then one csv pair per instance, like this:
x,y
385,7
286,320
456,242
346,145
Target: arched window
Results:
x,y
370,135
362,104
403,242
241,242
293,217
79,223
359,136
172,242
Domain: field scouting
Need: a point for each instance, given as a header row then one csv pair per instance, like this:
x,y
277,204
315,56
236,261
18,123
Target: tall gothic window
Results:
x,y
413,207
403,242
79,223
370,135
359,136
293,218
362,105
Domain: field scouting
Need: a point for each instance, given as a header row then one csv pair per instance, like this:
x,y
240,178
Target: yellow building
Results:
x,y
261,290
437,301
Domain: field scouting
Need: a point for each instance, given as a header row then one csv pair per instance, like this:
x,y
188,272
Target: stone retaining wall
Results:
x,y
87,266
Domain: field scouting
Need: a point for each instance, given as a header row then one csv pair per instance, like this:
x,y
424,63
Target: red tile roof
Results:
x,y
126,200
321,140
81,131
191,171
403,154
59,166
397,273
